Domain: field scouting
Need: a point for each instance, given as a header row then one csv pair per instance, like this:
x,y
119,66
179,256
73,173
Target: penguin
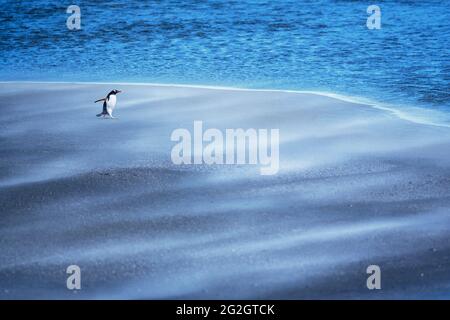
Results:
x,y
108,104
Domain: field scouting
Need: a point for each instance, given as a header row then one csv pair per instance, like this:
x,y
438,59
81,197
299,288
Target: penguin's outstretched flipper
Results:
x,y
100,100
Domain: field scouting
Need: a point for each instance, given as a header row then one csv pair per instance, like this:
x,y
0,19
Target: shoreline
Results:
x,y
407,114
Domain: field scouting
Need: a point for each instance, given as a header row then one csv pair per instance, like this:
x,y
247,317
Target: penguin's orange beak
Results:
x,y
119,91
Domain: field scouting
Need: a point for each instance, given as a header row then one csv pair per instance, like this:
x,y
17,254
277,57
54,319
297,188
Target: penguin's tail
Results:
x,y
100,114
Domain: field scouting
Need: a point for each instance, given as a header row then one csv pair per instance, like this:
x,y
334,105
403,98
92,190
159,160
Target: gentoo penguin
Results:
x,y
108,104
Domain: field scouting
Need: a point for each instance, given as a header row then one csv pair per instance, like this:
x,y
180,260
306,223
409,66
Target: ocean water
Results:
x,y
321,45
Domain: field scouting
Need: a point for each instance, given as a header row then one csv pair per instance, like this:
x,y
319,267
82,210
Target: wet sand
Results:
x,y
357,186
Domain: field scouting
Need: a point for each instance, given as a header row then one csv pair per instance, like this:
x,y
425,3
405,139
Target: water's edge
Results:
x,y
416,115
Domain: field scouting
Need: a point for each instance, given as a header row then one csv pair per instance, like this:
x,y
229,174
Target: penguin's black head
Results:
x,y
115,91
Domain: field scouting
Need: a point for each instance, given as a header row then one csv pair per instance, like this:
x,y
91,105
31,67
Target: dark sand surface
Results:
x,y
357,186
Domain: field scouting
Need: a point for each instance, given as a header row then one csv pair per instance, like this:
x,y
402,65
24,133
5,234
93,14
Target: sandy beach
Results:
x,y
356,186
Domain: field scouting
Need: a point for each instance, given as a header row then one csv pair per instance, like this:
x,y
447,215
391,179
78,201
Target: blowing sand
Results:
x,y
356,186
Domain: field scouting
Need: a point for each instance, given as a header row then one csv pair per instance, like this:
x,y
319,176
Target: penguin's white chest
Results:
x,y
111,103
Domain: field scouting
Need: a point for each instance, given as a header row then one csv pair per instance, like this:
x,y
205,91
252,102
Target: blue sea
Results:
x,y
320,45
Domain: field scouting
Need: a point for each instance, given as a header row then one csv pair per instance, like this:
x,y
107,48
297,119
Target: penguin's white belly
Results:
x,y
111,103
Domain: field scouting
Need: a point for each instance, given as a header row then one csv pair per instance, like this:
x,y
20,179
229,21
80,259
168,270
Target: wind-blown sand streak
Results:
x,y
356,186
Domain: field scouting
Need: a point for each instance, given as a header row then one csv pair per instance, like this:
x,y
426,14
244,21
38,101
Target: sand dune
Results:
x,y
356,186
